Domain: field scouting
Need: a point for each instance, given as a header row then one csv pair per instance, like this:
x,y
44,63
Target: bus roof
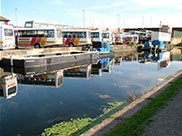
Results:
x,y
6,26
67,30
48,28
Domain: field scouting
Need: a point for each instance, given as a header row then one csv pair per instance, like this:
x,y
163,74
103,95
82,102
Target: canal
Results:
x,y
44,99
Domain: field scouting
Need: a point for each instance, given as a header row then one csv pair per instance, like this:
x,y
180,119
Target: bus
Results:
x,y
8,86
76,37
118,38
7,39
54,79
133,39
38,37
37,24
96,36
99,36
107,36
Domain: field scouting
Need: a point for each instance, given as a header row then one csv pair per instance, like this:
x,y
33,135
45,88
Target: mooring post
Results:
x,y
11,60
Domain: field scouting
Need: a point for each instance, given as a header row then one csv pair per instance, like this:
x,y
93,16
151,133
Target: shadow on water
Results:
x,y
47,95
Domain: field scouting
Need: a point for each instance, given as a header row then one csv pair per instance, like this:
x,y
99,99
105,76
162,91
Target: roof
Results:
x,y
3,19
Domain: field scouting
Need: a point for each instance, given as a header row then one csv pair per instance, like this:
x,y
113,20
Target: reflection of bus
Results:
x,y
79,72
117,61
38,37
130,39
104,65
7,39
76,37
8,86
37,24
48,79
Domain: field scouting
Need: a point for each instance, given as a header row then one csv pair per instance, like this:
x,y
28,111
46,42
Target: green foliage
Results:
x,y
67,128
112,106
134,125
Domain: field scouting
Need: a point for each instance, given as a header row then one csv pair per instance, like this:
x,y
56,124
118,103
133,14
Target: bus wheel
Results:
x,y
71,45
36,45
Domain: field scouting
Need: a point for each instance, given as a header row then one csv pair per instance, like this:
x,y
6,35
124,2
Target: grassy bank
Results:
x,y
135,124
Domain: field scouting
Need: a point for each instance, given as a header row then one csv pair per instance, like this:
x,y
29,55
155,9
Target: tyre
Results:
x,y
71,45
36,45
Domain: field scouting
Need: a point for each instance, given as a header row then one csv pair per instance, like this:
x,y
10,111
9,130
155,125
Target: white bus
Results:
x,y
107,36
76,37
133,39
118,38
98,36
8,86
7,39
37,24
38,37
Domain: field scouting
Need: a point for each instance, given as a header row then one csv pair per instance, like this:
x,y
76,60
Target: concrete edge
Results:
x,y
134,106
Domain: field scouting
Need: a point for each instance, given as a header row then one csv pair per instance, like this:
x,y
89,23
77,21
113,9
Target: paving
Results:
x,y
167,121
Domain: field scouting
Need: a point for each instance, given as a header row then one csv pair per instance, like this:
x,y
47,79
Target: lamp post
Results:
x,y
16,16
83,18
118,21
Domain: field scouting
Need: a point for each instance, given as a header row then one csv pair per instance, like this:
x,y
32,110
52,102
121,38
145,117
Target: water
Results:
x,y
41,102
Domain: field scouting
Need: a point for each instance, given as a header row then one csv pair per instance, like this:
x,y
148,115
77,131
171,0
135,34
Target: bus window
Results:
x,y
95,34
105,35
28,24
59,33
50,33
8,32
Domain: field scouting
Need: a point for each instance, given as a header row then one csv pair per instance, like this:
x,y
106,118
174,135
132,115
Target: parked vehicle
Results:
x,y
133,39
7,39
37,24
38,37
161,36
107,36
76,37
118,38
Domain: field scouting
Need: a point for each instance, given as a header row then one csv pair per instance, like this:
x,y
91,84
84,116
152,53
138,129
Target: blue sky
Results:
x,y
98,13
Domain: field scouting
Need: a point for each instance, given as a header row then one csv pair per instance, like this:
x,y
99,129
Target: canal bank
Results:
x,y
129,112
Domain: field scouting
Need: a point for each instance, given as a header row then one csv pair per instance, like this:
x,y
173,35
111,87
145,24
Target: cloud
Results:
x,y
157,3
108,6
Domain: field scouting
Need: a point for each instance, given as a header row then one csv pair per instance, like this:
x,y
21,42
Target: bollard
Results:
x,y
11,60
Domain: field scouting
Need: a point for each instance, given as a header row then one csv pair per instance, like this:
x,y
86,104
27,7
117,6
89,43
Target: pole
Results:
x,y
83,18
142,21
118,21
16,16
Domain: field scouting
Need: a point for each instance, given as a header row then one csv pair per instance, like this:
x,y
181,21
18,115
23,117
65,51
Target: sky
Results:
x,y
97,13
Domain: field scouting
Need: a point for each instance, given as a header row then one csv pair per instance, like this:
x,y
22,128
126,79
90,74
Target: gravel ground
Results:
x,y
168,121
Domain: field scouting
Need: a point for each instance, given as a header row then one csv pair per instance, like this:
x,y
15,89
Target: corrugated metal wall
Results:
x,y
177,34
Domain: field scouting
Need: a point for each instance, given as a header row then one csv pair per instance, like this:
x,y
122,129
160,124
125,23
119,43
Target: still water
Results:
x,y
46,98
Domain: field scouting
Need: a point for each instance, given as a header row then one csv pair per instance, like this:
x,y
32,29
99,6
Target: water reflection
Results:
x,y
8,86
52,76
162,59
48,95
48,79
